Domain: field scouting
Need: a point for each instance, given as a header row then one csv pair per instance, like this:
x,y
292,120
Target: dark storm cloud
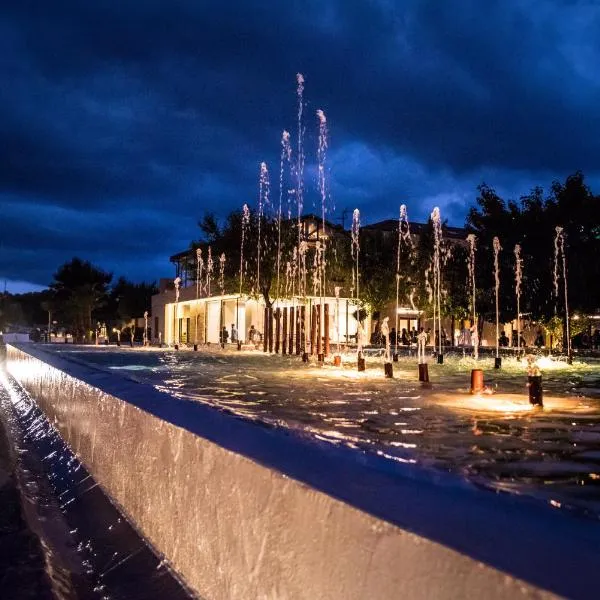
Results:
x,y
121,122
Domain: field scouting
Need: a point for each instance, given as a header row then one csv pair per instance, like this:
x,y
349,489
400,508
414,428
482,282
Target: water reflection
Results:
x,y
495,441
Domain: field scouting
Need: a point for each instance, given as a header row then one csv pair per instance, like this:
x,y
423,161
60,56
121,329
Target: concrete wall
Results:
x,y
243,511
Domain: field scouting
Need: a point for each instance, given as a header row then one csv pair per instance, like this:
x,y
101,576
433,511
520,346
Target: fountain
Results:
x,y
518,280
286,153
245,226
209,271
177,283
263,199
559,252
300,168
199,269
497,248
321,157
355,251
403,237
145,328
387,365
337,359
437,283
472,241
222,261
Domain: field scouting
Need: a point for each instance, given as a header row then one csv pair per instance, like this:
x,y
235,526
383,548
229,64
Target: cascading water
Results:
x,y
245,226
472,240
436,219
518,281
497,248
559,253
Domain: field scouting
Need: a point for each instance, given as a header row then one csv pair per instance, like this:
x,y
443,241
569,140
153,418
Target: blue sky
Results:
x,y
123,122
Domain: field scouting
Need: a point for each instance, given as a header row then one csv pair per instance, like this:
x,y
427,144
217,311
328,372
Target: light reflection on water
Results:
x,y
495,441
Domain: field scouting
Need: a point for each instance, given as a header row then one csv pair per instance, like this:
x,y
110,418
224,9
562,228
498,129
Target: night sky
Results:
x,y
122,122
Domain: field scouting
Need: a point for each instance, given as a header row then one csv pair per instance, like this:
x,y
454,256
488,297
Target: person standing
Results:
x,y
234,334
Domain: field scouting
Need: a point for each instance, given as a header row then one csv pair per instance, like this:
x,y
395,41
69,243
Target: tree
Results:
x,y
80,289
130,300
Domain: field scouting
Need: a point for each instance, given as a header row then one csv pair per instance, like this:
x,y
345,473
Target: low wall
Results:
x,y
245,511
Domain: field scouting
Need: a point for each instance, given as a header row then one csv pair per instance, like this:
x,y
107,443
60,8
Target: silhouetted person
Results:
x,y
503,340
596,339
539,339
404,338
224,335
234,334
393,336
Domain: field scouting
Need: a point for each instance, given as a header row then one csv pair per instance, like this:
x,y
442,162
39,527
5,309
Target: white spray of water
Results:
x,y
355,249
222,261
209,270
300,161
176,283
437,274
472,240
245,226
302,251
497,248
263,202
559,252
294,273
199,267
403,239
336,290
285,156
321,158
518,281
